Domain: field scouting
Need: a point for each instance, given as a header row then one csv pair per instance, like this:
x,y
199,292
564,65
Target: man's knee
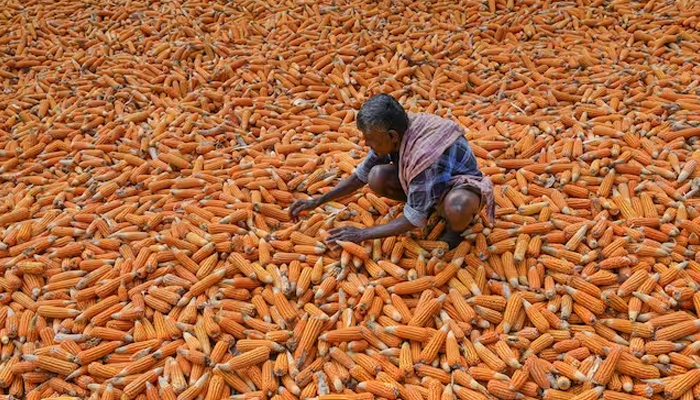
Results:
x,y
384,180
380,177
460,208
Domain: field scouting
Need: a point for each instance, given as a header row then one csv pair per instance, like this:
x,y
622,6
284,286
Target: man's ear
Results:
x,y
393,135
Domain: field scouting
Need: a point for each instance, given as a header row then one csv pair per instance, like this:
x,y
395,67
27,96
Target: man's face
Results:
x,y
382,142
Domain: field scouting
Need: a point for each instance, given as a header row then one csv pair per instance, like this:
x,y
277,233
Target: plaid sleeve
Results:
x,y
372,159
424,192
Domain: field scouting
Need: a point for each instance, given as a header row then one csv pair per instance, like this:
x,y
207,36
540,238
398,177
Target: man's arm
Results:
x,y
344,188
423,193
347,186
395,227
355,181
352,234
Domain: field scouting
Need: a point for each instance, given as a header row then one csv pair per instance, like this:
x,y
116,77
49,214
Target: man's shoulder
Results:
x,y
429,118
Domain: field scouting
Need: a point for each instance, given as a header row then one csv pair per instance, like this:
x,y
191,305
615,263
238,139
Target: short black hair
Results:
x,y
382,112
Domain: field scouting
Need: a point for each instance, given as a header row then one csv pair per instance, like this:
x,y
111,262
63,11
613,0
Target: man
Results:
x,y
421,159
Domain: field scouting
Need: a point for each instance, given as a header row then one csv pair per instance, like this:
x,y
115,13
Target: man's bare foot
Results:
x,y
452,238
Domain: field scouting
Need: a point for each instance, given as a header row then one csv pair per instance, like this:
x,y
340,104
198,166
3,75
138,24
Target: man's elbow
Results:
x,y
408,224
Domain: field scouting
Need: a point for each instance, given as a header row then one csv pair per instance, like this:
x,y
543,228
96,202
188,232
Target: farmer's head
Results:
x,y
383,122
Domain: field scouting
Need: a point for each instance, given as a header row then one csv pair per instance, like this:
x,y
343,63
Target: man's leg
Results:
x,y
384,180
459,208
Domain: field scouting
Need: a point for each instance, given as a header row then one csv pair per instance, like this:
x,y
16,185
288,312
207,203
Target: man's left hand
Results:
x,y
346,234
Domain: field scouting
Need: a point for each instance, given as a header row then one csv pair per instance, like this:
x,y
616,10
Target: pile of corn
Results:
x,y
150,151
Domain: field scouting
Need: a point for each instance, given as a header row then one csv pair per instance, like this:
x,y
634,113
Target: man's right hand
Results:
x,y
302,205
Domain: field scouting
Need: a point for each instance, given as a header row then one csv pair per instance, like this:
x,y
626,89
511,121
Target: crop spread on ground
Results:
x,y
150,151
